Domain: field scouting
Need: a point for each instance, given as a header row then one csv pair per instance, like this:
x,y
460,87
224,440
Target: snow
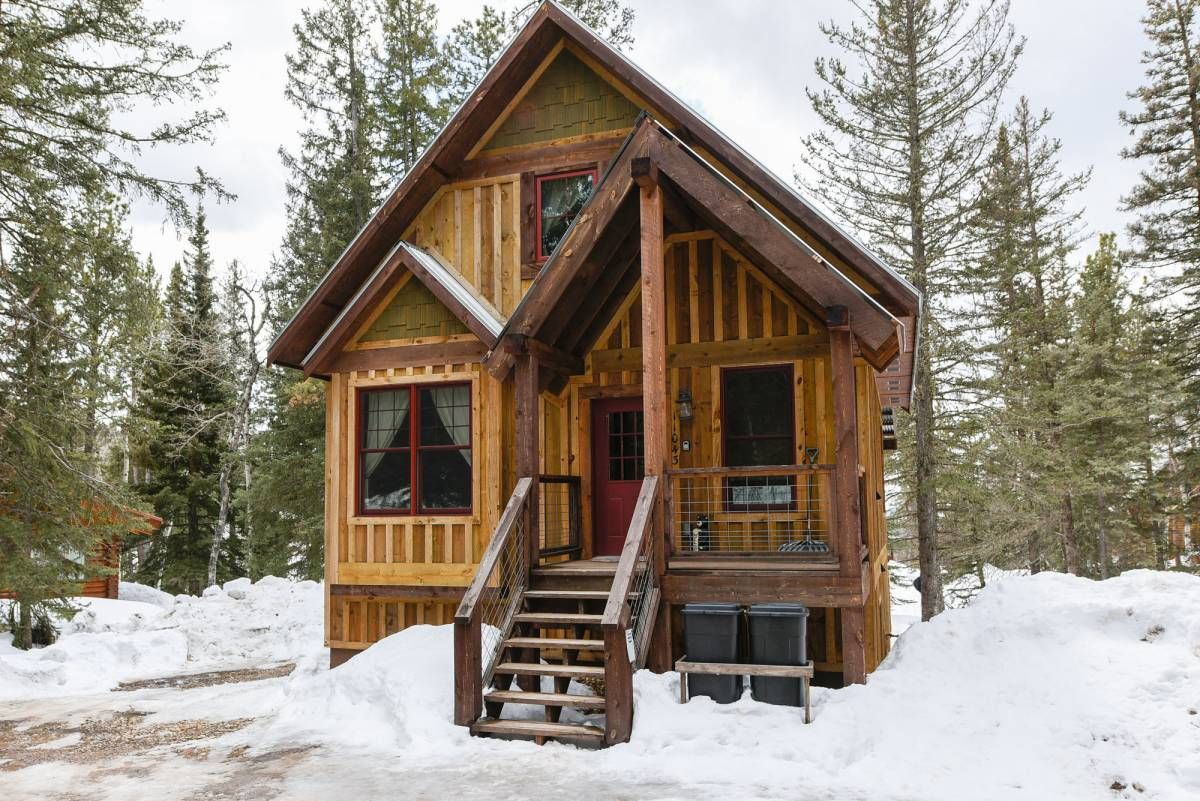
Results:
x,y
150,633
1045,686
1048,685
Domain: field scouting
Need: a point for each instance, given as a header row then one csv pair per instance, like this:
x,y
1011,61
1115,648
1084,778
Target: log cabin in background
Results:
x,y
102,567
589,362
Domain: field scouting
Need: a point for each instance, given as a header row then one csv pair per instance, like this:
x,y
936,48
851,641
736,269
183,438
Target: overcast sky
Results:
x,y
743,65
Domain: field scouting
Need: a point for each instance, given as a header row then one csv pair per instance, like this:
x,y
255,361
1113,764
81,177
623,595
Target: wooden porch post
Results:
x,y
529,441
846,507
655,398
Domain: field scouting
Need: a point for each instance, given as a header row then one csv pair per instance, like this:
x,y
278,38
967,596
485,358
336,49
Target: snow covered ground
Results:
x,y
1043,687
150,633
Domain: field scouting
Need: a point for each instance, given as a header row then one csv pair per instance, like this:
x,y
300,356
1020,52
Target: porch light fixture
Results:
x,y
684,402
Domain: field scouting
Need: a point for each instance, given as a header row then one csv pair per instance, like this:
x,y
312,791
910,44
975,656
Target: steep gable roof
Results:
x,y
549,25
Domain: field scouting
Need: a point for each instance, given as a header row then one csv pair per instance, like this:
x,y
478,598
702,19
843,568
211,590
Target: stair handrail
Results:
x,y
626,629
470,674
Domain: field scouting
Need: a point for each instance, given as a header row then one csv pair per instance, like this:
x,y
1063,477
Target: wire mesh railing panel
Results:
x,y
643,602
501,598
559,515
784,510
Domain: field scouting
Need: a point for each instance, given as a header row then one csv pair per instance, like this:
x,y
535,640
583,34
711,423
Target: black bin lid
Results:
x,y
779,610
711,609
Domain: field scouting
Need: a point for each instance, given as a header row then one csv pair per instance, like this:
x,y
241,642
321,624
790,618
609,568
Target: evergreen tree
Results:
x,y
409,87
71,69
53,510
1167,196
903,141
186,403
1020,281
1102,421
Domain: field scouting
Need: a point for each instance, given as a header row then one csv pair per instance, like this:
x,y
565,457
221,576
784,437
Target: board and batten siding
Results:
x,y
425,553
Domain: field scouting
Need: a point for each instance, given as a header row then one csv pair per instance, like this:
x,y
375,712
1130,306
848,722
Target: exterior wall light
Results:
x,y
684,402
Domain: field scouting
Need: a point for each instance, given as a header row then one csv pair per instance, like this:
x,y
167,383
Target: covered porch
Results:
x,y
621,321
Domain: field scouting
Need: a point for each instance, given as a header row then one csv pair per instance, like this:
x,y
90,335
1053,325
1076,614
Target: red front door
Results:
x,y
618,464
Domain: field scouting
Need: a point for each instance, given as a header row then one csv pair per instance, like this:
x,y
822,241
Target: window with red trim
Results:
x,y
560,196
414,449
758,430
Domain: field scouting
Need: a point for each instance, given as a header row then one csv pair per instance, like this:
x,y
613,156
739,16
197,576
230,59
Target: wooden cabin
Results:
x,y
590,362
102,567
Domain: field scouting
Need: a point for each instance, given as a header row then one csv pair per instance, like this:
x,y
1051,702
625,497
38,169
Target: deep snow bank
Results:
x,y
1044,687
150,633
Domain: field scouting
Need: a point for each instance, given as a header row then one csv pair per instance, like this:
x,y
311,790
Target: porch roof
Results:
x,y
596,263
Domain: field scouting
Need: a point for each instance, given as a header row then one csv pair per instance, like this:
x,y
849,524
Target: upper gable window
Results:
x,y
560,196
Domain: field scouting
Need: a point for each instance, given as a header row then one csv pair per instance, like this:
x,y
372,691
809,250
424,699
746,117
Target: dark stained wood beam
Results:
x,y
458,352
553,157
589,284
529,441
854,645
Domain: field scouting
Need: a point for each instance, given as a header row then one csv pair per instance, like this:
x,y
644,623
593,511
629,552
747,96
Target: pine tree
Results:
x,y
53,509
71,70
1113,379
1020,280
899,157
1167,196
409,85
186,403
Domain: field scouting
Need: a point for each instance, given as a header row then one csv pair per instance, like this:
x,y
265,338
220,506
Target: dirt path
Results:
x,y
186,738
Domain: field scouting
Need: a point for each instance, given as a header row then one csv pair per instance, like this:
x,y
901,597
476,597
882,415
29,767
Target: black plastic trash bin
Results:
x,y
712,632
778,635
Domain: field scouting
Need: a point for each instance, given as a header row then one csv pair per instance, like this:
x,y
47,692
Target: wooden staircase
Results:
x,y
553,645
527,635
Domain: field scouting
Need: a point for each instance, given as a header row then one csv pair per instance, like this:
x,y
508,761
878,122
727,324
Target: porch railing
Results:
x,y
784,509
630,612
560,525
489,604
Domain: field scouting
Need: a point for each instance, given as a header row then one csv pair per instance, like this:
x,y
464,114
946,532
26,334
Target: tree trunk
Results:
x,y
1102,556
23,636
927,536
1070,547
222,524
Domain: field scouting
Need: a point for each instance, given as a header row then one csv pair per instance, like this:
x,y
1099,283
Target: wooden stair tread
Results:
x,y
554,642
558,619
546,699
537,728
578,568
568,595
530,669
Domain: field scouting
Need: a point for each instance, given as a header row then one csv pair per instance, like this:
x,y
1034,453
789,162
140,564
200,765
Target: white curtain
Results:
x,y
453,406
383,423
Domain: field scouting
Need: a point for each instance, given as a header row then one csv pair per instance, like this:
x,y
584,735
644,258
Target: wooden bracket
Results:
x,y
644,172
